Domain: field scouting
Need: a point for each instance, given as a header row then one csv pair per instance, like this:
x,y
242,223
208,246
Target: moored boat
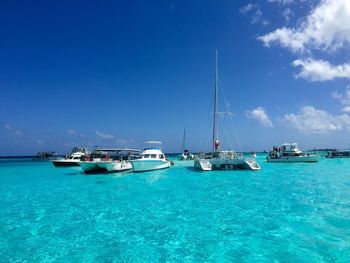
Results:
x,y
71,159
185,155
89,164
218,159
109,160
119,160
338,154
152,158
225,160
290,153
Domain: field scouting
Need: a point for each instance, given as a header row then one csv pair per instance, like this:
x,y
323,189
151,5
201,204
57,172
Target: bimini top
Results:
x,y
115,150
156,145
153,142
290,144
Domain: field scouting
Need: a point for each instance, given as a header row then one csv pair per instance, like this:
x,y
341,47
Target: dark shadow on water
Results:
x,y
102,171
193,169
100,182
71,174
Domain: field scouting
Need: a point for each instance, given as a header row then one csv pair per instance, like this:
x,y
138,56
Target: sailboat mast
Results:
x,y
215,131
183,140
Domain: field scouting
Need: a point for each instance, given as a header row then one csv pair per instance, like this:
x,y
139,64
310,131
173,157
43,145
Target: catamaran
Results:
x,y
109,160
218,159
119,160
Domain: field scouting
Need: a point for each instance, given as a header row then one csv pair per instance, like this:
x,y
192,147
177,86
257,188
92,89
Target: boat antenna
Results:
x,y
215,124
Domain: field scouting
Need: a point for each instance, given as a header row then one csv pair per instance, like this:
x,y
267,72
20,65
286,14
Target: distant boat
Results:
x,y
253,155
217,159
185,155
290,153
152,158
338,154
71,159
49,155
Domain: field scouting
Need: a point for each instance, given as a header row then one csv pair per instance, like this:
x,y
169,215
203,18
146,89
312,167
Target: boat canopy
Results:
x,y
116,150
153,145
153,142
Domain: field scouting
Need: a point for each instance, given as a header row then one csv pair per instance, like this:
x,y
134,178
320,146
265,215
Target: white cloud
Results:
x,y
282,2
261,116
40,141
257,15
247,8
321,70
287,14
104,135
343,98
327,27
18,133
125,142
12,130
311,120
71,132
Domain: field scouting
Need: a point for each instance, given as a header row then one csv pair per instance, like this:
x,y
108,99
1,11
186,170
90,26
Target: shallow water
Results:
x,y
282,213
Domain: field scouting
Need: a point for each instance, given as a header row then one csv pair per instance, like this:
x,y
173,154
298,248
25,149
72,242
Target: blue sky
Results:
x,y
118,73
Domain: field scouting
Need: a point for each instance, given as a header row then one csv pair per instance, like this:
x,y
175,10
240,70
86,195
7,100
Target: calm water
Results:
x,y
283,213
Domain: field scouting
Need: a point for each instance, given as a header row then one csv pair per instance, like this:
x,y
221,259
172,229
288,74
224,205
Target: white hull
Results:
x,y
226,164
142,165
90,166
294,159
65,163
115,166
183,157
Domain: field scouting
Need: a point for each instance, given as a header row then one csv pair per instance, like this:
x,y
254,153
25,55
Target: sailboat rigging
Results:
x,y
218,159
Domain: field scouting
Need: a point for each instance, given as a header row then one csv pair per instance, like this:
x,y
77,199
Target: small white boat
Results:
x,y
72,159
152,158
185,155
290,153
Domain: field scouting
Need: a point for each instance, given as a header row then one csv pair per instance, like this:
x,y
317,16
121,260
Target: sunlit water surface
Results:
x,y
282,213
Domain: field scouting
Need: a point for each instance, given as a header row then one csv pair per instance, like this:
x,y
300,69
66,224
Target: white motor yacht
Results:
x,y
152,158
218,159
290,153
71,159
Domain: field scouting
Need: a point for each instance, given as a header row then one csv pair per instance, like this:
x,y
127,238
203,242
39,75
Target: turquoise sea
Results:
x,y
282,213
